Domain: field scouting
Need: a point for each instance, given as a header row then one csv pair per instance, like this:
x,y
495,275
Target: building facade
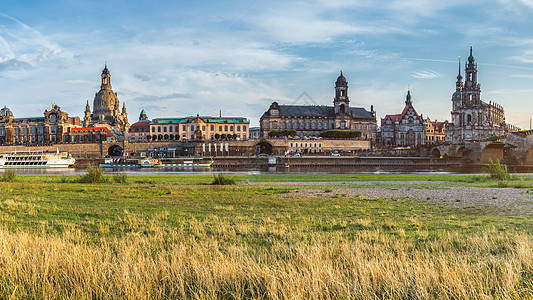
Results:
x,y
407,129
53,127
200,128
435,131
139,131
312,120
106,107
472,118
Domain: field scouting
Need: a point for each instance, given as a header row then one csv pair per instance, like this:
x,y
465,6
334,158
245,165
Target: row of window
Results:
x,y
315,125
33,130
304,145
225,128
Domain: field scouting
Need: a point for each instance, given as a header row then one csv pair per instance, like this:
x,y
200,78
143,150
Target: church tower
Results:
x,y
472,89
106,106
341,102
106,79
87,115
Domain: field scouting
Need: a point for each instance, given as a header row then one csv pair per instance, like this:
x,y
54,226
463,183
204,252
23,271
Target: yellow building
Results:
x,y
200,128
435,131
53,127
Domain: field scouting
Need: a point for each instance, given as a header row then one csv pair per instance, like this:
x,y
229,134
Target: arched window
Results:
x,y
302,125
313,125
289,125
469,118
295,125
342,109
307,125
319,125
325,125
283,125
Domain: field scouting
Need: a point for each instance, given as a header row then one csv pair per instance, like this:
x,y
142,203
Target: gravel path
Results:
x,y
494,200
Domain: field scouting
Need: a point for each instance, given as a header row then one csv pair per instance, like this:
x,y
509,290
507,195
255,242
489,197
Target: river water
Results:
x,y
278,170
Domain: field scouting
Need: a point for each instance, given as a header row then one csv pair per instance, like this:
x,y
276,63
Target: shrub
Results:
x,y
220,179
341,133
217,136
497,170
10,175
120,178
94,175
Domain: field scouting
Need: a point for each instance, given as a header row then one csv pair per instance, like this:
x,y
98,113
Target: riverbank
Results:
x,y
273,236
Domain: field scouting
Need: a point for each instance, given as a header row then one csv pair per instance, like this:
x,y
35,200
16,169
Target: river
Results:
x,y
278,170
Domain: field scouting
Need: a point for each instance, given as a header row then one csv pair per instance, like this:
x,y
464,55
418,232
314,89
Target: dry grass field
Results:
x,y
177,237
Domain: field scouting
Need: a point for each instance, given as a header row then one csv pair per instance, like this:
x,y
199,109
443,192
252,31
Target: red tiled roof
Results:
x,y
394,118
399,117
91,129
140,125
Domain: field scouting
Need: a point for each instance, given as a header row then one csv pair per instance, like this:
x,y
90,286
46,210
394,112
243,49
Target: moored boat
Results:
x,y
189,162
36,160
145,162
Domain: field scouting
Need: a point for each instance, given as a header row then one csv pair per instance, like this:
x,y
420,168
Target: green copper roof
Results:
x,y
207,119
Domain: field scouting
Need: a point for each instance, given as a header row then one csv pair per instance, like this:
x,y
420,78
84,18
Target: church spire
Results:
x,y
459,82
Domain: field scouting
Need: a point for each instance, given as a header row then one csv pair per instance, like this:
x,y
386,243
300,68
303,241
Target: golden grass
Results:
x,y
171,264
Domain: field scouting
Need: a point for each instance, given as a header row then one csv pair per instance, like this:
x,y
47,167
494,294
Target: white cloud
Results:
x,y
22,45
526,57
426,74
527,76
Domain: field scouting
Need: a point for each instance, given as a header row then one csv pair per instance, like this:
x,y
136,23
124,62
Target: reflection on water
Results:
x,y
282,170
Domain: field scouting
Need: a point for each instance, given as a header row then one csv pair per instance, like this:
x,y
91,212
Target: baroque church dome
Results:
x,y
341,80
106,103
6,112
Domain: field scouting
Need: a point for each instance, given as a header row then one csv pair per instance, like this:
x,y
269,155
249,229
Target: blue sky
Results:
x,y
178,58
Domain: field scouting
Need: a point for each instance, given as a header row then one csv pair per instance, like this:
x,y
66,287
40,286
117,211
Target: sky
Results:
x,y
180,58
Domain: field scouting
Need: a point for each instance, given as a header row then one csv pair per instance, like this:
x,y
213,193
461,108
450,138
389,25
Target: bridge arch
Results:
x,y
460,152
115,150
528,159
435,153
263,147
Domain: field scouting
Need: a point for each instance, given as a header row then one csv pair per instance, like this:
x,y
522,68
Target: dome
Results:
x,y
341,80
105,100
456,95
143,115
5,112
471,57
105,70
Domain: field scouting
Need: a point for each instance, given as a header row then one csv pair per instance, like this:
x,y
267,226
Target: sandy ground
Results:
x,y
496,200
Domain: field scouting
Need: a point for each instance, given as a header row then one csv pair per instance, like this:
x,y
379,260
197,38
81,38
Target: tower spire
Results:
x,y
408,98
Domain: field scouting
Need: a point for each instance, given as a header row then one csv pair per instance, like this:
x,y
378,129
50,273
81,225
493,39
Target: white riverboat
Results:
x,y
36,160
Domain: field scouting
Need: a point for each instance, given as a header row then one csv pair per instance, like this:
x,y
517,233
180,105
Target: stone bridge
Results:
x,y
516,148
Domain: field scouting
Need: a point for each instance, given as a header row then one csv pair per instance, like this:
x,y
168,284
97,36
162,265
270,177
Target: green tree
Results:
x,y
282,133
341,134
